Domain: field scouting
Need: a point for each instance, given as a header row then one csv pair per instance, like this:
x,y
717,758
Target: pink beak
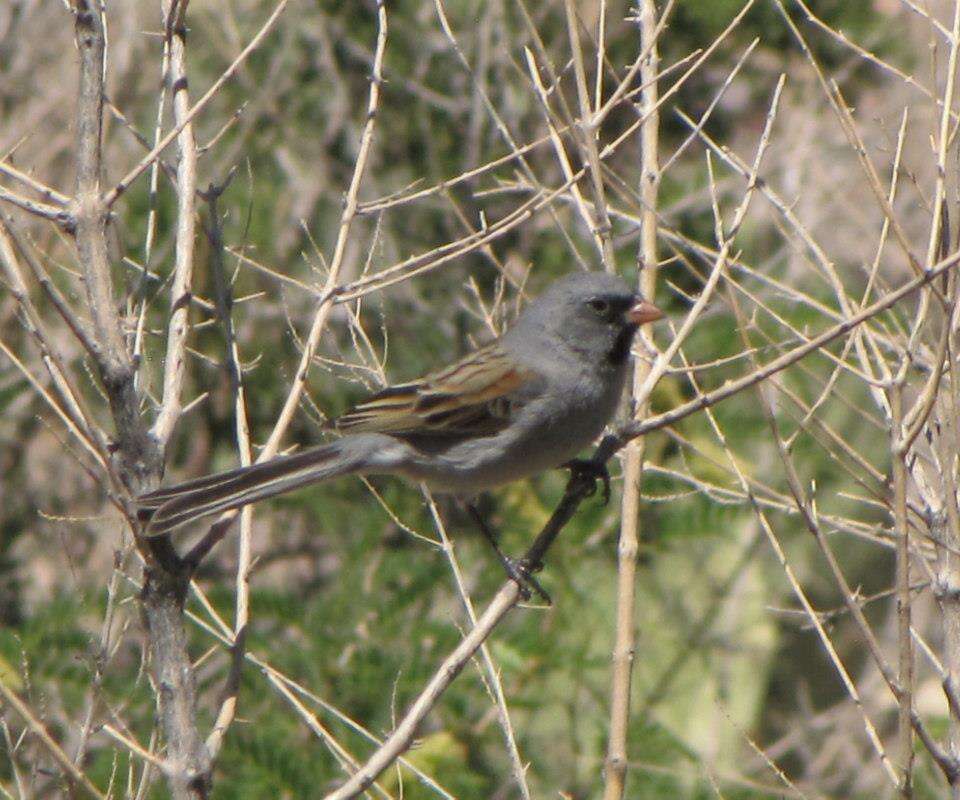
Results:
x,y
643,312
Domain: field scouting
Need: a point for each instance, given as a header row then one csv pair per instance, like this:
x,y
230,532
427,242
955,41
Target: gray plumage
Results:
x,y
528,402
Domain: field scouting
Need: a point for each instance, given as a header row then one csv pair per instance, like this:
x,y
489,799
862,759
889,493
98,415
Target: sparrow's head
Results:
x,y
594,313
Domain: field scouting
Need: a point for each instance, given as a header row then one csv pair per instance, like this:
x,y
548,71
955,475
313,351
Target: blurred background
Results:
x,y
351,598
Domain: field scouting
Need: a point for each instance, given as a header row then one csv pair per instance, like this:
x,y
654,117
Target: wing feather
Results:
x,y
473,396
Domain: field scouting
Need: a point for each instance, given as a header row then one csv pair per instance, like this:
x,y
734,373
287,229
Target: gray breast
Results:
x,y
548,432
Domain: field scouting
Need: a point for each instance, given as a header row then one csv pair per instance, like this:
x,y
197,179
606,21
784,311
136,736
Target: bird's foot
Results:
x,y
588,469
520,571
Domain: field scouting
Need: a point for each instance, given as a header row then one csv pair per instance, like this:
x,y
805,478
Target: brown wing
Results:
x,y
475,396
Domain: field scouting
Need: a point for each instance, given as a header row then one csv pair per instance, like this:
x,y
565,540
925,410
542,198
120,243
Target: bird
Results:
x,y
528,402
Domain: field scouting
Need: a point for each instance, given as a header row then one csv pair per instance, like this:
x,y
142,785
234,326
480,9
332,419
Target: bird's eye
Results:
x,y
598,305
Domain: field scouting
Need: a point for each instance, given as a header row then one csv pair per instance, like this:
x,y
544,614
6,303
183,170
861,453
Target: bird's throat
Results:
x,y
620,351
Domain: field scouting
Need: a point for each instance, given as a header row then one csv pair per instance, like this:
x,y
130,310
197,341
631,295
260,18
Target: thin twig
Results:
x,y
63,760
228,705
639,427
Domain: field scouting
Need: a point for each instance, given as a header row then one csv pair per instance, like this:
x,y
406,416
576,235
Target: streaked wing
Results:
x,y
475,396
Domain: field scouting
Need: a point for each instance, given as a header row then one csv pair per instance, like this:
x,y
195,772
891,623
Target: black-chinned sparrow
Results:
x,y
528,402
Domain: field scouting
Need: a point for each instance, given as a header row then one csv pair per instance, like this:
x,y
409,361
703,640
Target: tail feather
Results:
x,y
153,500
167,509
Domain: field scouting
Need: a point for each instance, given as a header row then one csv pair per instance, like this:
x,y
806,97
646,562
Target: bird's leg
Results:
x,y
518,570
590,469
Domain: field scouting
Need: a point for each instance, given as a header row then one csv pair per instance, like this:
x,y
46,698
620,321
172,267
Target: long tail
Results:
x,y
167,509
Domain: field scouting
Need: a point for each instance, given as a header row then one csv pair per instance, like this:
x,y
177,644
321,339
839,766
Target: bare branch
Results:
x,y
43,210
628,546
49,195
174,12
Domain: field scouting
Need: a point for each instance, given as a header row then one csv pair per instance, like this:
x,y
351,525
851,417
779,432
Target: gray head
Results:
x,y
594,313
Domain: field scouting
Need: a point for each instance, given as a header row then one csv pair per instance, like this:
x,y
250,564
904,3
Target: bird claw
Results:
x,y
588,469
520,571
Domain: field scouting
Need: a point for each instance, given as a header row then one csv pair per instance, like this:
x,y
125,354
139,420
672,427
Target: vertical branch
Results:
x,y
228,705
902,439
187,762
946,529
943,139
601,54
166,577
649,158
627,551
899,449
139,458
151,228
115,366
174,12
947,577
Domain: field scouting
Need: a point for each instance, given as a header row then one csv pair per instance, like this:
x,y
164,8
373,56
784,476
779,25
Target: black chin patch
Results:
x,y
620,352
